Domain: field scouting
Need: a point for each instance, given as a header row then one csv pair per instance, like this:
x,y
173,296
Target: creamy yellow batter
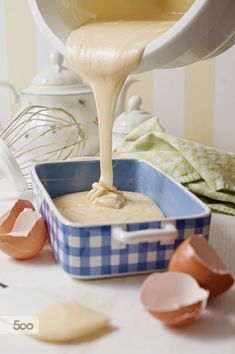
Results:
x,y
105,51
84,11
76,208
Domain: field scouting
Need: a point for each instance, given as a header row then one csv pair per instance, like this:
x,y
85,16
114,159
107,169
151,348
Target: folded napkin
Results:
x,y
207,172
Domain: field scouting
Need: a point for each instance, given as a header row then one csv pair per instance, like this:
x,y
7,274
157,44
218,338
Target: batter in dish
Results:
x,y
77,208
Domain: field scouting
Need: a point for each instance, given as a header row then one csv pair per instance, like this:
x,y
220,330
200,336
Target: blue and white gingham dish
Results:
x,y
91,251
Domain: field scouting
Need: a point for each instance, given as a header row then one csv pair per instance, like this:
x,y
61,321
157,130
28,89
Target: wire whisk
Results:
x,y
38,134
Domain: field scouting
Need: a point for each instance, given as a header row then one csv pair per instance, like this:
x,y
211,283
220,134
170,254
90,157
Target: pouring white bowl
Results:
x,y
206,30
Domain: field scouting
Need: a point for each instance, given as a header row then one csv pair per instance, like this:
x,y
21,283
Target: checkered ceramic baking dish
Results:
x,y
86,251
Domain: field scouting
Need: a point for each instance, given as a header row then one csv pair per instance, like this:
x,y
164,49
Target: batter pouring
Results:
x,y
105,53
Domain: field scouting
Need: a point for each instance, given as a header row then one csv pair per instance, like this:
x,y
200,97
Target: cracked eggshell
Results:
x,y
27,236
196,257
174,298
8,219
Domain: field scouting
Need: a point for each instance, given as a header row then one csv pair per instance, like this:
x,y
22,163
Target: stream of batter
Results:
x,y
105,53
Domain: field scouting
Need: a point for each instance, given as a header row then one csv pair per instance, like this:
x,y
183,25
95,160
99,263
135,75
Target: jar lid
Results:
x,y
131,119
57,80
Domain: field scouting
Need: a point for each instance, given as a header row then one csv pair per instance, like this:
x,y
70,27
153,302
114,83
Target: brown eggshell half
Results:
x,y
174,298
27,237
8,219
196,257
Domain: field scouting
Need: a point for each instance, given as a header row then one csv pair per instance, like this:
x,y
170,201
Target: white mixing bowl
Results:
x,y
206,30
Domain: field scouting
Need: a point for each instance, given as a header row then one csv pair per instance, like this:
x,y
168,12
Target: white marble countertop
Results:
x,y
134,330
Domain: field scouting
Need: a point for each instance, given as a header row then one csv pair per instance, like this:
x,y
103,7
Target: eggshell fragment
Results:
x,y
8,219
174,298
196,257
27,237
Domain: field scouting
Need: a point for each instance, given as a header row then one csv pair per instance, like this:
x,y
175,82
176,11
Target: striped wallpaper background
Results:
x,y
197,102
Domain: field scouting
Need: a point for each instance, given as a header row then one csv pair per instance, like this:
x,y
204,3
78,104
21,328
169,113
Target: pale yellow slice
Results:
x,y
68,321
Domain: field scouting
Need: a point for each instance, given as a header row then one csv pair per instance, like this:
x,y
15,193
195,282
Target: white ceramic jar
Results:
x,y
60,87
126,122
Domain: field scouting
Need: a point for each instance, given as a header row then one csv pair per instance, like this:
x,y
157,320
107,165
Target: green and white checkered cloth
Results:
x,y
205,171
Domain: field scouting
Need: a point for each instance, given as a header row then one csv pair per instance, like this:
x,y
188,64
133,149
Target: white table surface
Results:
x,y
134,330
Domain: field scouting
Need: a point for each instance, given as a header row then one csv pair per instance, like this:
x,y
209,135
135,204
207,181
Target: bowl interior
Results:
x,y
129,175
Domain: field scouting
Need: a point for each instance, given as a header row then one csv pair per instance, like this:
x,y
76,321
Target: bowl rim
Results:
x,y
65,221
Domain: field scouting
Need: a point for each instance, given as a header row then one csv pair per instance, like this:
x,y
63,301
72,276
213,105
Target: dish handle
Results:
x,y
167,234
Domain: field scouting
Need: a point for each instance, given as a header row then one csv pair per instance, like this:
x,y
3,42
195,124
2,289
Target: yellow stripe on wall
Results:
x,y
21,43
199,102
